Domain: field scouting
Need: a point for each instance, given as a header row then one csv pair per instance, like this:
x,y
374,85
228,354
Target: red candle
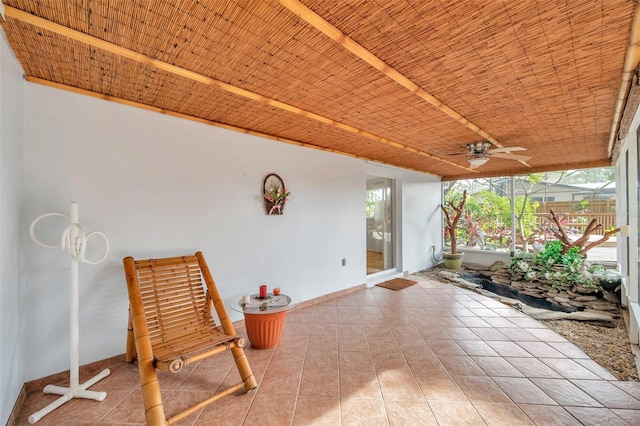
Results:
x,y
263,291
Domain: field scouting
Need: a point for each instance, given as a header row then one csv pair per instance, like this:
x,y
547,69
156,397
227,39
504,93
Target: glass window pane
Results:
x,y
575,196
380,225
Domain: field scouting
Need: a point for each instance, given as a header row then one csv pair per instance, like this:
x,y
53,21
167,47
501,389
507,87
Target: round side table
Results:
x,y
264,318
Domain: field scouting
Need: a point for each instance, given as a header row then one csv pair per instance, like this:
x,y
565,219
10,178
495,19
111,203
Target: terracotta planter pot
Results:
x,y
452,261
264,330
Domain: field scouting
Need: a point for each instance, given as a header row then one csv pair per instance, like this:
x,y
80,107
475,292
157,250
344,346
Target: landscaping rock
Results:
x,y
500,279
610,296
448,275
596,312
585,298
574,298
497,266
466,284
603,307
591,316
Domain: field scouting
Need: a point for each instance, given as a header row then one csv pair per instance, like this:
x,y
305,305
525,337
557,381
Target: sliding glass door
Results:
x,y
380,224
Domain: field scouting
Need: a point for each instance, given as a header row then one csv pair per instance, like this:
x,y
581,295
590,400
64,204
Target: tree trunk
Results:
x,y
452,222
581,243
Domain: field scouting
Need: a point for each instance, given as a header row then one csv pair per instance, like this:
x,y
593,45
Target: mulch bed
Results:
x,y
609,347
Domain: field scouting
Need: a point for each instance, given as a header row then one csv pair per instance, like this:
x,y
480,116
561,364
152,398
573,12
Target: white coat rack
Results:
x,y
73,241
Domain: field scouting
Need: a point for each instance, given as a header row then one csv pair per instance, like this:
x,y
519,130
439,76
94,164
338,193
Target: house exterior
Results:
x,y
553,191
548,192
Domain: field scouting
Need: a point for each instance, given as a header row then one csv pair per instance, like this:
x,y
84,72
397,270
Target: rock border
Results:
x,y
594,310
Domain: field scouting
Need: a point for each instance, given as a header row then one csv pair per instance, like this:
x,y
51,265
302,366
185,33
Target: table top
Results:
x,y
268,305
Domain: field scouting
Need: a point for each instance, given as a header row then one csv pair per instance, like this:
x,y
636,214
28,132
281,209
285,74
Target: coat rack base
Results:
x,y
68,393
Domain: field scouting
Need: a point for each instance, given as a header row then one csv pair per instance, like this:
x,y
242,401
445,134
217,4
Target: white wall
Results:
x,y
11,97
160,186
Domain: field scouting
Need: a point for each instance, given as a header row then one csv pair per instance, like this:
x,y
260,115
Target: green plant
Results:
x,y
605,275
520,266
552,255
551,265
276,195
493,211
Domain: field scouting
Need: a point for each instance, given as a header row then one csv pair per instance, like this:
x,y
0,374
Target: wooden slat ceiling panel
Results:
x,y
372,109
276,56
185,97
539,74
300,68
534,68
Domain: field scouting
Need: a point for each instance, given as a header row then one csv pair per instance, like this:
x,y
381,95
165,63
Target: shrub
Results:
x,y
556,268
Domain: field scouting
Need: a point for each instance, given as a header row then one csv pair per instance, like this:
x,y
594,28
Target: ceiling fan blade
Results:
x,y
507,149
511,156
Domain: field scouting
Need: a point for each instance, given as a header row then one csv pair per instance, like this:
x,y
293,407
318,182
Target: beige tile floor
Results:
x,y
429,354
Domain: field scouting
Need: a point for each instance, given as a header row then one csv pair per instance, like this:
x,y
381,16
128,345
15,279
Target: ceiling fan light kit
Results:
x,y
478,161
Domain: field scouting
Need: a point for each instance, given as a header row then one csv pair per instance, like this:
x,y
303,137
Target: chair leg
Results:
x,y
238,353
151,396
244,369
130,353
153,407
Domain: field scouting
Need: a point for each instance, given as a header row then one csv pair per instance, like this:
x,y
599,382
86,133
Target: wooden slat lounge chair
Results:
x,y
171,325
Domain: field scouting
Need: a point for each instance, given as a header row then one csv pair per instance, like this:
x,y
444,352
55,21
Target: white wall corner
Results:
x,y
634,323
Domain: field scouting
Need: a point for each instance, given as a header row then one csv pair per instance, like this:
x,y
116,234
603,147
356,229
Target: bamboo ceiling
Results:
x,y
403,82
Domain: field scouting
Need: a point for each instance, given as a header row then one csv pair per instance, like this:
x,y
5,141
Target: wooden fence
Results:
x,y
594,206
577,222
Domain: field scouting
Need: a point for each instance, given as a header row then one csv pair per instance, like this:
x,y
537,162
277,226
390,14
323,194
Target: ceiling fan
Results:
x,y
479,153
